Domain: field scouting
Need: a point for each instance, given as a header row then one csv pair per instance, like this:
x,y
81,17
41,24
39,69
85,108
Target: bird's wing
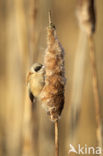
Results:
x,y
32,99
31,96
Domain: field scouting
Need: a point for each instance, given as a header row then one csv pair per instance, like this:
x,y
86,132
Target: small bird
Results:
x,y
35,80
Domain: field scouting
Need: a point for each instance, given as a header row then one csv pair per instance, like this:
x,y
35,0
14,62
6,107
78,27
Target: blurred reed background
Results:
x,y
23,26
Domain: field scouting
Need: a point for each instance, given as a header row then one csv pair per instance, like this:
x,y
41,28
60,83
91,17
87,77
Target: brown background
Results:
x,y
23,41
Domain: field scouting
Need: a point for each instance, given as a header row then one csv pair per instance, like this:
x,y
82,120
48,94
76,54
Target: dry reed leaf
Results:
x,y
86,18
86,15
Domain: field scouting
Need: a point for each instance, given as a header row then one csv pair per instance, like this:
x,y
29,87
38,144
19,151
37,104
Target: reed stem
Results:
x,y
56,139
49,18
95,89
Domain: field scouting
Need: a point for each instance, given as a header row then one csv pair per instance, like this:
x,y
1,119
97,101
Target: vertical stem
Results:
x,y
56,139
95,89
49,18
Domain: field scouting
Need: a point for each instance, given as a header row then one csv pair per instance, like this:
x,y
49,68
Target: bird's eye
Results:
x,y
37,68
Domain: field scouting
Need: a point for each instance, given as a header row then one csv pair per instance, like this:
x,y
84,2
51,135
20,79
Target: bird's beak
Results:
x,y
43,66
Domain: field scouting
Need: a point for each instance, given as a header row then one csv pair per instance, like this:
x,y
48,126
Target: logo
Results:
x,y
85,149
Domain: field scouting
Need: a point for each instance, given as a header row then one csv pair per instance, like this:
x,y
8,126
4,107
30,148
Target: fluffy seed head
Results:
x,y
52,95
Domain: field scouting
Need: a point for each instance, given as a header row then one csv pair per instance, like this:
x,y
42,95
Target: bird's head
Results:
x,y
37,68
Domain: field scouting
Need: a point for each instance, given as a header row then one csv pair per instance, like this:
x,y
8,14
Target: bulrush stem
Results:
x,y
56,122
56,139
49,18
95,89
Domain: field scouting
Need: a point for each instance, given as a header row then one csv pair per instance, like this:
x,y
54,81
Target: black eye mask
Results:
x,y
37,68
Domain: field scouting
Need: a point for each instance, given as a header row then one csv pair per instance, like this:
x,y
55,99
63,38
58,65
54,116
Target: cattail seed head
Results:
x,y
52,95
86,15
